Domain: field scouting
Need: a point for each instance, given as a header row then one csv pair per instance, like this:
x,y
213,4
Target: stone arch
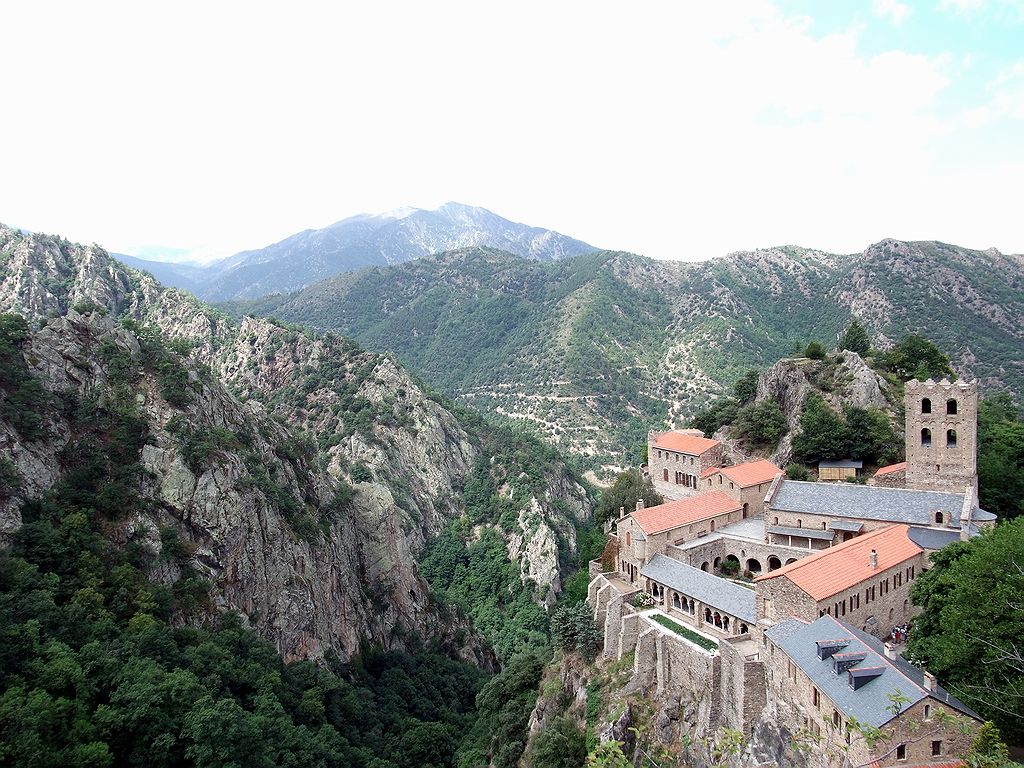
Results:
x,y
677,602
733,559
951,438
717,562
754,565
712,526
718,619
791,560
926,405
744,629
774,563
725,622
926,438
704,566
951,406
707,615
892,613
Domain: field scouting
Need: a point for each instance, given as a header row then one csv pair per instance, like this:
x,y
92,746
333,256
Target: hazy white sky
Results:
x,y
664,128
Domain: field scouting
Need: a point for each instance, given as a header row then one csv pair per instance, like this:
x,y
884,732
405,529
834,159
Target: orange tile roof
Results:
x,y
839,568
677,441
891,468
747,474
672,514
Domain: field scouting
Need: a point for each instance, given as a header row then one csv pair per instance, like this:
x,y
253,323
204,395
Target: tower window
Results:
x,y
926,438
951,438
926,405
938,516
951,406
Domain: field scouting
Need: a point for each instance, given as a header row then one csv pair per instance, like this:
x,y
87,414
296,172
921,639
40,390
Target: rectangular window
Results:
x,y
836,720
842,607
817,697
936,748
901,752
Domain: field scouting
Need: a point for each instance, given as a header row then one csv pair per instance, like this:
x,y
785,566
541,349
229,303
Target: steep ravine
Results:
x,y
284,423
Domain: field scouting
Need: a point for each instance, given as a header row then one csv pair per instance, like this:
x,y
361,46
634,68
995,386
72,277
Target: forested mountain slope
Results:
x,y
301,474
594,350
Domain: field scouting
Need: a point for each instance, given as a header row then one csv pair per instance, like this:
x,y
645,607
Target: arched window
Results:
x,y
712,526
704,566
951,438
951,406
664,475
938,516
717,562
628,539
776,521
676,602
926,438
799,523
926,405
823,525
745,508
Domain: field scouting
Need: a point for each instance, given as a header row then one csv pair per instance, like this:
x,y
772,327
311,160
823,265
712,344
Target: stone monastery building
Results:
x,y
763,599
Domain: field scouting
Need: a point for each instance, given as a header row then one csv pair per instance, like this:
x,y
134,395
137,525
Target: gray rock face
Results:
x,y
842,379
315,409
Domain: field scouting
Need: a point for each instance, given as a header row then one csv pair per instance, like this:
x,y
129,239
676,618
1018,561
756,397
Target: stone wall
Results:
x,y
897,479
779,598
940,466
718,548
742,691
661,460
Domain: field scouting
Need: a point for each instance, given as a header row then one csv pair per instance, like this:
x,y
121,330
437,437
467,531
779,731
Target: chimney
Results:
x,y
874,560
622,512
639,504
890,651
929,681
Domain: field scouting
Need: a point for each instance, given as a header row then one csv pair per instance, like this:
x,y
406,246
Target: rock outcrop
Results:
x,y
333,469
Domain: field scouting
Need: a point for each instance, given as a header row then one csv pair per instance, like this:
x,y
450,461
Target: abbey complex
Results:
x,y
776,604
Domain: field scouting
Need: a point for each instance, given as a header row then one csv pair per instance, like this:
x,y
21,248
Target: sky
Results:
x,y
675,130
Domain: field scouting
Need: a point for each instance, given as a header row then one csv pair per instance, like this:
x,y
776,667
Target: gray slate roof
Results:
x,y
807,533
842,464
870,702
845,525
932,538
711,590
897,505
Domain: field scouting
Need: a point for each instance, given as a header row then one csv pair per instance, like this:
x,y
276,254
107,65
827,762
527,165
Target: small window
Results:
x,y
817,697
799,523
951,438
936,748
926,438
938,516
776,521
836,720
901,752
951,407
628,539
926,405
823,525
927,711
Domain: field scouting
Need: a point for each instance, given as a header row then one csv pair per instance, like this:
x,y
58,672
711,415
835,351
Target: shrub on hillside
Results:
x,y
763,423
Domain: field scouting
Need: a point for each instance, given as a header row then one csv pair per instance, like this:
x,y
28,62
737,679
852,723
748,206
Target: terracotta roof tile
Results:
x,y
839,568
672,514
677,441
888,469
751,473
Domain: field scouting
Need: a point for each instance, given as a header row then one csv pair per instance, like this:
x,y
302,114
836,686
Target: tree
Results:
x,y
856,339
969,632
560,745
797,472
716,415
815,351
628,488
608,755
746,388
823,432
1000,456
763,423
573,629
915,357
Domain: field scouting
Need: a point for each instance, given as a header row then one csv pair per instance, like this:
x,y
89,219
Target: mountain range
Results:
x,y
356,242
595,350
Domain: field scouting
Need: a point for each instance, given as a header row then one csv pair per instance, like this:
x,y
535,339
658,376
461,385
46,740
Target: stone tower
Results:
x,y
942,435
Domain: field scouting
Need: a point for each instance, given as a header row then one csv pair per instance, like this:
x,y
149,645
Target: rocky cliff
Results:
x,y
303,473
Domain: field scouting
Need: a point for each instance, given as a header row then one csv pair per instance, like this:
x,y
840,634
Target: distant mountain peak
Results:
x,y
368,240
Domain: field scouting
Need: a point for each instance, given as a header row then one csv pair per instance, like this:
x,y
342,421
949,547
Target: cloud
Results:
x,y
891,9
961,6
675,130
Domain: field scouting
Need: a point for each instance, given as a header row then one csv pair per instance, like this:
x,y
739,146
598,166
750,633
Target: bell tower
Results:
x,y
942,435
